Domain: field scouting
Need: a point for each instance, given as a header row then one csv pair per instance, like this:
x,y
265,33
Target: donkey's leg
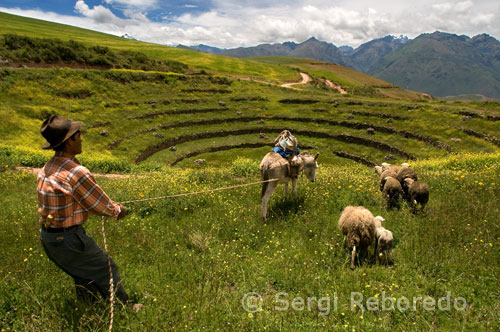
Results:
x,y
271,186
294,187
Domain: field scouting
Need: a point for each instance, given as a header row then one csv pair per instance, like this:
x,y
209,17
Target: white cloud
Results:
x,y
134,3
482,19
464,6
98,14
242,23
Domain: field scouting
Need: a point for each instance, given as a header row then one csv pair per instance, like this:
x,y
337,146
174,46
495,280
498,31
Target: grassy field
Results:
x,y
193,260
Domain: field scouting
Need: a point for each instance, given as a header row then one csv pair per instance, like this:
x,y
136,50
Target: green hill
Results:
x,y
192,259
444,65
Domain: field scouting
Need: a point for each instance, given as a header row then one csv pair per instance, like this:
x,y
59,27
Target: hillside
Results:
x,y
207,262
443,64
368,54
440,64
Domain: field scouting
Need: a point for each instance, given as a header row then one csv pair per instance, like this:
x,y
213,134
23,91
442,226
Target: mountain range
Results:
x,y
441,64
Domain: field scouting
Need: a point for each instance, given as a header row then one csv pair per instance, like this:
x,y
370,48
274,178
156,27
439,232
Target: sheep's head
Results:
x,y
409,181
385,166
378,221
378,169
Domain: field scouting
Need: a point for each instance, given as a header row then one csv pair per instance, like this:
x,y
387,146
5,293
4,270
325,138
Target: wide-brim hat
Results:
x,y
57,129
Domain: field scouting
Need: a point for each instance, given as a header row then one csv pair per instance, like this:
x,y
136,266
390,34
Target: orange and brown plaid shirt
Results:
x,y
69,192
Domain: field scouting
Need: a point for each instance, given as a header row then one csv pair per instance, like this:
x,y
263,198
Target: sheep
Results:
x,y
384,242
418,193
358,228
396,168
391,191
385,174
406,172
378,170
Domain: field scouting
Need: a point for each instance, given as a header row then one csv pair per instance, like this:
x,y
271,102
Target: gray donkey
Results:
x,y
275,167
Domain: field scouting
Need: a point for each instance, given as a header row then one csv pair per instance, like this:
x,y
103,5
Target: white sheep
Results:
x,y
358,228
384,242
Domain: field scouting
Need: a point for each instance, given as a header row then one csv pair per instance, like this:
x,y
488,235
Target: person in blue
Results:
x,y
287,146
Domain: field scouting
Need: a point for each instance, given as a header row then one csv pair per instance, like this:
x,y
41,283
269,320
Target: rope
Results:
x,y
197,192
111,284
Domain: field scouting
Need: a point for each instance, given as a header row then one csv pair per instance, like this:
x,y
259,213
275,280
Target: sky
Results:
x,y
243,23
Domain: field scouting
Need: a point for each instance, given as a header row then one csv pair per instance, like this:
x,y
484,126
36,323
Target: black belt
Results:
x,y
62,229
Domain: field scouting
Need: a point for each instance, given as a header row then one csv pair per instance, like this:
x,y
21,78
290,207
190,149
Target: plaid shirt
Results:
x,y
68,192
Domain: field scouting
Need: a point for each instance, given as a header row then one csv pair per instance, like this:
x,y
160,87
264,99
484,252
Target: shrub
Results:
x,y
52,51
244,167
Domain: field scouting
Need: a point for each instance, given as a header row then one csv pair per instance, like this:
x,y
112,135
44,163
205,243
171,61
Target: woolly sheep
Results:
x,y
357,226
384,242
406,172
378,170
396,168
418,193
385,174
391,191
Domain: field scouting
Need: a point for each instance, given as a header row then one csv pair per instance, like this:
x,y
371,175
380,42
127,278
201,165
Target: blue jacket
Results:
x,y
285,153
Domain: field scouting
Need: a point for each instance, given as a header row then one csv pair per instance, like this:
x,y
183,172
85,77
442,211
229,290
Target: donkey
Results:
x,y
275,167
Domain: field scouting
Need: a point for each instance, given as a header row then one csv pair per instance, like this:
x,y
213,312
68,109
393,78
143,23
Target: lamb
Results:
x,y
391,191
358,228
418,193
384,242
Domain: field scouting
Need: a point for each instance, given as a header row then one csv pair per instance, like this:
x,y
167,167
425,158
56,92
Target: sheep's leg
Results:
x,y
422,206
353,257
294,187
375,253
414,207
271,186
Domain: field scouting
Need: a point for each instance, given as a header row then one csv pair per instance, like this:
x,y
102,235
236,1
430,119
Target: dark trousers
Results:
x,y
78,255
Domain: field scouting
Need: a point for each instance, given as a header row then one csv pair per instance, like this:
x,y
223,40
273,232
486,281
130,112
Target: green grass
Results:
x,y
190,260
236,67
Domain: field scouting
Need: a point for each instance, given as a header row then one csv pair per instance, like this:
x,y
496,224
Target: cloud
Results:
x,y
144,4
98,14
482,19
248,23
460,7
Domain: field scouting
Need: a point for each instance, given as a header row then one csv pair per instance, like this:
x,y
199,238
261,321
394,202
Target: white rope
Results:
x,y
198,192
111,284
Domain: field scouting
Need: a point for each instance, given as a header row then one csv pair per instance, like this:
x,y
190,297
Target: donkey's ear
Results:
x,y
316,156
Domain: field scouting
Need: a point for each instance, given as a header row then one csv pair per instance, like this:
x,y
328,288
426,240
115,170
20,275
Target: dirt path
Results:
x,y
335,86
305,79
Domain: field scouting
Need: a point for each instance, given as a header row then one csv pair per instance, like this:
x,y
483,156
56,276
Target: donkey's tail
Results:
x,y
264,176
